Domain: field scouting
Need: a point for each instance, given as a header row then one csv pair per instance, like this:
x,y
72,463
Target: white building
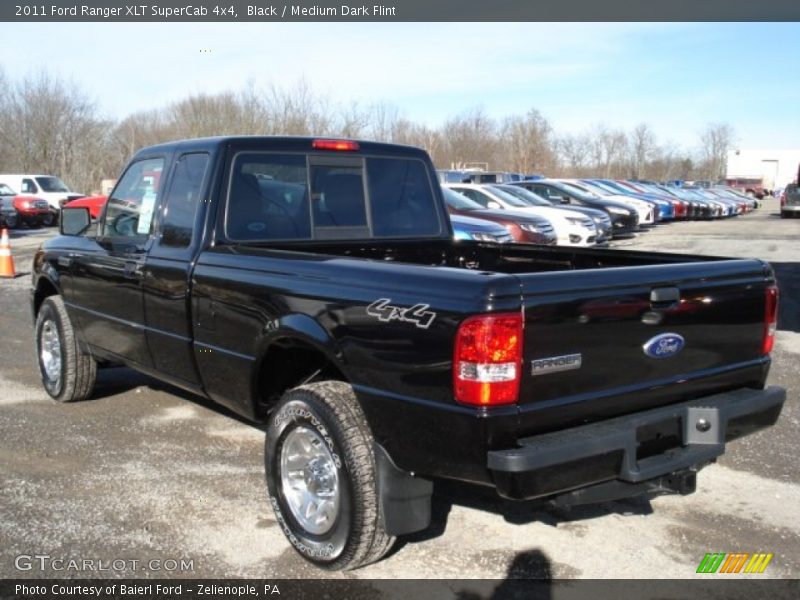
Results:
x,y
775,167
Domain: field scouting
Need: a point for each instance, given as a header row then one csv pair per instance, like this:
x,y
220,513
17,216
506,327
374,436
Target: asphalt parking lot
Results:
x,y
144,472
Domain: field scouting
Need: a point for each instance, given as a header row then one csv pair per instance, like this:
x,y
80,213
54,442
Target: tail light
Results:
x,y
770,319
342,145
487,359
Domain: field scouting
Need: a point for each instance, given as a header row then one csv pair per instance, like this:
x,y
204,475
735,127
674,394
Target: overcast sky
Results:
x,y
676,77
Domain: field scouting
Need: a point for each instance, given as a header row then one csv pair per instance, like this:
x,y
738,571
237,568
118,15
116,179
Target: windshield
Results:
x,y
451,176
612,188
572,187
594,187
632,187
6,191
530,198
508,198
51,184
569,190
664,190
455,200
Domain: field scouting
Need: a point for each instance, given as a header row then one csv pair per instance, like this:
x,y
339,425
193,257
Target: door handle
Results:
x,y
664,297
133,270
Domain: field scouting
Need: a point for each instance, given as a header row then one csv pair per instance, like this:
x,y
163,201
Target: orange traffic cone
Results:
x,y
6,260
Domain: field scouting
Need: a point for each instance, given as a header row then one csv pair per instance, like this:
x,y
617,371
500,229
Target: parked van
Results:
x,y
46,187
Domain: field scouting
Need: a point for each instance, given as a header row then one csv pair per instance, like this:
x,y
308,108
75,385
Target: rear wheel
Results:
x,y
321,477
67,373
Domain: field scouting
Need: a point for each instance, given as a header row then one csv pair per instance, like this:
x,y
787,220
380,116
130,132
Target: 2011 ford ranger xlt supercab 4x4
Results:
x,y
313,284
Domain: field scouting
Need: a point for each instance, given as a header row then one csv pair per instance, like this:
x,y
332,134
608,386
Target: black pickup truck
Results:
x,y
314,284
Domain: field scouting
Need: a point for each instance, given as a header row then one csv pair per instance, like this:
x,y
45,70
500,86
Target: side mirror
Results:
x,y
74,221
565,200
494,204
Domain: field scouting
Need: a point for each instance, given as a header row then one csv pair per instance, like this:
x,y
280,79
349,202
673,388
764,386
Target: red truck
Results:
x,y
33,212
95,204
751,186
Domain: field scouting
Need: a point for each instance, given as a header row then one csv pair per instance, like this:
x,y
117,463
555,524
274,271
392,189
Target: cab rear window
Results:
x,y
277,197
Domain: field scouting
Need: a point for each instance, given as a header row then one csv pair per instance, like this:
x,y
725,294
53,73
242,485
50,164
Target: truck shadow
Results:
x,y
119,380
528,577
447,494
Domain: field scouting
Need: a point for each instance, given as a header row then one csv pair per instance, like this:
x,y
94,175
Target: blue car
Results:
x,y
470,228
666,210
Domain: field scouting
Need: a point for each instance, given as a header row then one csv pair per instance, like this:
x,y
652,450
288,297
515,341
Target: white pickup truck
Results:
x,y
46,187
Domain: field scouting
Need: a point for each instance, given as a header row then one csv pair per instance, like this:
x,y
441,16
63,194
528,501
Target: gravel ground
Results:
x,y
145,472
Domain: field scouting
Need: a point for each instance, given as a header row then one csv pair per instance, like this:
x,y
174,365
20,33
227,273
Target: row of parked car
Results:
x,y
569,212
580,212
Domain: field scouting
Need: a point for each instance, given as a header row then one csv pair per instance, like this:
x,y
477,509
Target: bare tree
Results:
x,y
352,121
608,148
527,144
5,121
298,111
715,142
50,126
470,137
417,134
574,150
382,119
641,149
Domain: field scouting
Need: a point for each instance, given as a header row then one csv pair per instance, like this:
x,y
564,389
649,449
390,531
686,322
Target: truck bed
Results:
x,y
592,302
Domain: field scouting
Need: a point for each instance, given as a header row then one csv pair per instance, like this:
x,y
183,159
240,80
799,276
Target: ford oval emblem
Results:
x,y
664,345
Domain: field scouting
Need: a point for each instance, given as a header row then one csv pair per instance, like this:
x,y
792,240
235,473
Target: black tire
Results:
x,y
329,410
50,219
74,377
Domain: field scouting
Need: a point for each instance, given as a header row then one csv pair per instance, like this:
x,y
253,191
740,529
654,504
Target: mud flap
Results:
x,y
405,500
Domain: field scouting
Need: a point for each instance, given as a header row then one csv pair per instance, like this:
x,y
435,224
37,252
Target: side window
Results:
x,y
547,192
28,187
129,210
268,198
474,195
183,199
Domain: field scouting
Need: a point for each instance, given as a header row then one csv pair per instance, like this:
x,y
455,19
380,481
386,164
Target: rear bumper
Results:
x,y
791,208
635,448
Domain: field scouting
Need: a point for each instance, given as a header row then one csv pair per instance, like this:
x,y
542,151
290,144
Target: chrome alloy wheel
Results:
x,y
309,480
50,351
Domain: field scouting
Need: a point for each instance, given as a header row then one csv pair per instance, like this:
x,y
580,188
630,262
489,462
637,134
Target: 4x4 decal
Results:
x,y
418,314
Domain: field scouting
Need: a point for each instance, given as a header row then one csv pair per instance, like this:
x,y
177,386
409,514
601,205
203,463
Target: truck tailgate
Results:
x,y
592,349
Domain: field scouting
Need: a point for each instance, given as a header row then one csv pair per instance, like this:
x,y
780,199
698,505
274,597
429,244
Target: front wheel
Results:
x,y
67,373
321,476
49,219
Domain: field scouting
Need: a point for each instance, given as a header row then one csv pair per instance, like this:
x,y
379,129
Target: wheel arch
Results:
x,y
295,351
45,287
